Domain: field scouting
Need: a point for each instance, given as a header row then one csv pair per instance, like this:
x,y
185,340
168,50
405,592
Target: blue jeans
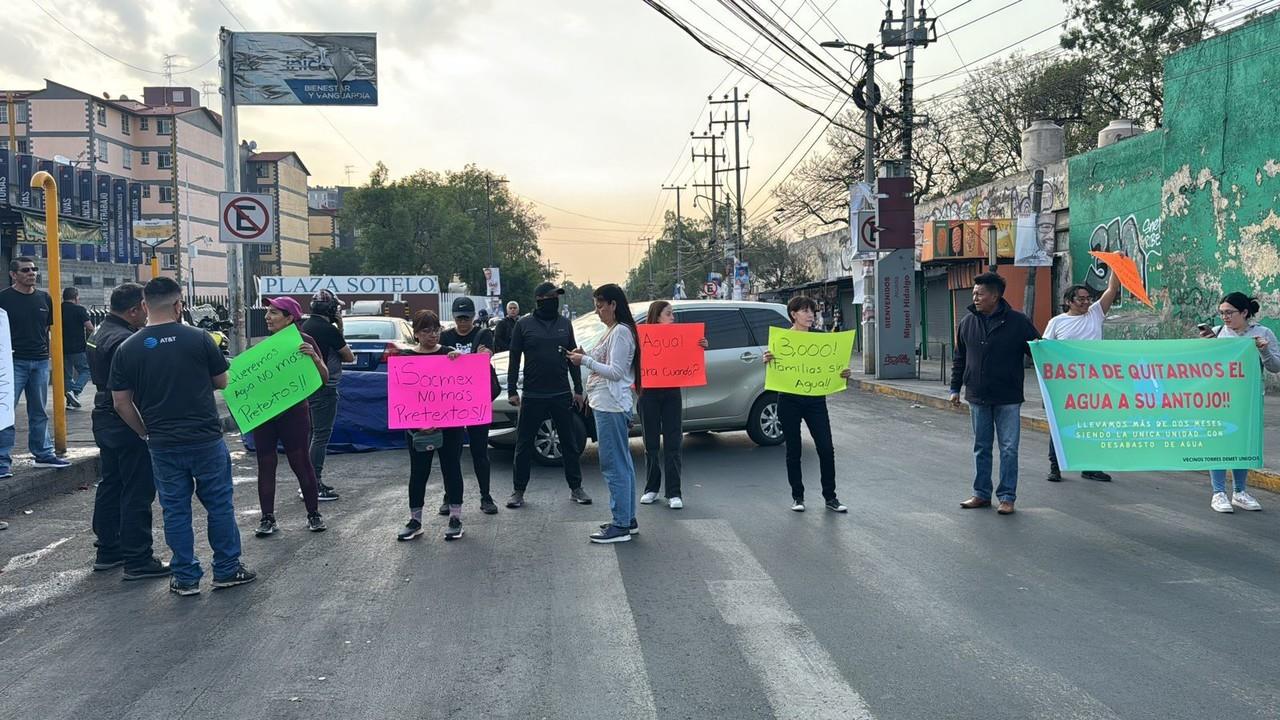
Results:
x,y
614,437
30,377
988,422
75,370
207,467
1219,479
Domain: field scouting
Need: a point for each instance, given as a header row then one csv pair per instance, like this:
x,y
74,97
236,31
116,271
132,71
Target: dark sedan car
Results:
x,y
374,338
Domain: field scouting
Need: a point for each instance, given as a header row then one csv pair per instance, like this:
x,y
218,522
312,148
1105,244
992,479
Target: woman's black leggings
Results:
x,y
450,455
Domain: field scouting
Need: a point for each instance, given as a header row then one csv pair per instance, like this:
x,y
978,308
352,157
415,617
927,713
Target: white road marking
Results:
x,y
799,677
26,560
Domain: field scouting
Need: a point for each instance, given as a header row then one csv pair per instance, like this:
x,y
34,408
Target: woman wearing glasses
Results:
x,y
1239,314
1081,319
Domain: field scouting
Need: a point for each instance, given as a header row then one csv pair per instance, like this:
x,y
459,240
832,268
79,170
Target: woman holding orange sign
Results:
x,y
661,416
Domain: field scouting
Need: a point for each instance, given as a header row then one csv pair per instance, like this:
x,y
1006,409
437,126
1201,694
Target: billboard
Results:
x,y
84,194
4,176
965,239
304,68
26,168
119,223
103,195
135,214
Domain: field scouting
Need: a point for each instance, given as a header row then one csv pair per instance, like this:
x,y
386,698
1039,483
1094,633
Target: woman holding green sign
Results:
x,y
1239,314
292,429
425,442
813,411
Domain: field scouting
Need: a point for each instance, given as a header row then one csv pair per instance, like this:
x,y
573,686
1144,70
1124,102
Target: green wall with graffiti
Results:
x,y
1202,191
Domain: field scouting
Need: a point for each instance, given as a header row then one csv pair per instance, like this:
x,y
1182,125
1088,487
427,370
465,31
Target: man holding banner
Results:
x,y
990,344
1082,320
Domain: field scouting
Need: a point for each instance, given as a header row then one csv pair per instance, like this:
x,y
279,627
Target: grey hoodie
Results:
x,y
1270,356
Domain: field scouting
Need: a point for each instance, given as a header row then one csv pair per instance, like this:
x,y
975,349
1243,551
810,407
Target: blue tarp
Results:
x,y
361,425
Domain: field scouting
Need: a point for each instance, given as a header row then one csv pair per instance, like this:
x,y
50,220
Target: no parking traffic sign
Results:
x,y
246,218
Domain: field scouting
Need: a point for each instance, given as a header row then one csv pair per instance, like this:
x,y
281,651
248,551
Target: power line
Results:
x,y
108,55
578,214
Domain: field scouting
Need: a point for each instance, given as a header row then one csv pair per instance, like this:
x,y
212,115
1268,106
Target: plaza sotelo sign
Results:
x,y
341,285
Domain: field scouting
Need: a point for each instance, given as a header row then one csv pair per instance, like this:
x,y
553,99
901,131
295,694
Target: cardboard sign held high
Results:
x,y
1126,271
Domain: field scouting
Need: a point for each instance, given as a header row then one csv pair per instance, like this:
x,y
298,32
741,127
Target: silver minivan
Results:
x,y
734,397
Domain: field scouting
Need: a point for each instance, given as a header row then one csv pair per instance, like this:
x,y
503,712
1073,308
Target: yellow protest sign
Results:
x,y
808,363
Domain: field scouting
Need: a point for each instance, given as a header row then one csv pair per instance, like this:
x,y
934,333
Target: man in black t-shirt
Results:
x,y
76,326
162,382
122,504
467,337
30,313
324,325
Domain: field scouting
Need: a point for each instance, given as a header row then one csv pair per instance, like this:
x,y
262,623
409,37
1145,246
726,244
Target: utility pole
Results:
x,y
738,167
648,243
1037,201
679,233
347,170
489,182
714,184
231,180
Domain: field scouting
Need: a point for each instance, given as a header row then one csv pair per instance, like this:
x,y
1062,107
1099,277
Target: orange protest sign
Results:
x,y
1126,271
670,355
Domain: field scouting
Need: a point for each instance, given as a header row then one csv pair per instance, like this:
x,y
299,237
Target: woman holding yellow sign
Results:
x,y
812,409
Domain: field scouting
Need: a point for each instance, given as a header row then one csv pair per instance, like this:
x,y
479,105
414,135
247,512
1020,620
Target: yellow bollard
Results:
x,y
155,265
44,180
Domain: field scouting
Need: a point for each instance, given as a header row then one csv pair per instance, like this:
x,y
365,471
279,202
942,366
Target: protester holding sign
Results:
x,y
162,381
1081,319
812,409
324,325
426,443
290,428
990,344
469,337
613,363
1239,314
661,416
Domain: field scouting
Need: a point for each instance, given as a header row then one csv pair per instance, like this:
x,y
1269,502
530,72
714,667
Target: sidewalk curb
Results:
x,y
29,485
1262,478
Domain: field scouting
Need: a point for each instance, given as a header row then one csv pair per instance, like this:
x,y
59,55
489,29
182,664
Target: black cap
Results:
x,y
464,307
547,288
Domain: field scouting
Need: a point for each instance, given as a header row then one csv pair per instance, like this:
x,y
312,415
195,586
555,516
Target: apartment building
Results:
x,y
283,176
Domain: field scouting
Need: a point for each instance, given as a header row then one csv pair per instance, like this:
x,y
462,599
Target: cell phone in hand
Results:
x,y
1204,327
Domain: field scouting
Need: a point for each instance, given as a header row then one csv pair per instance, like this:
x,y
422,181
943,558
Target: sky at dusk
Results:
x,y
584,105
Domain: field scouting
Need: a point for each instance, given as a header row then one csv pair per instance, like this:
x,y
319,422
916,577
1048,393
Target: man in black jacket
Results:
x,y
507,325
990,345
543,338
122,505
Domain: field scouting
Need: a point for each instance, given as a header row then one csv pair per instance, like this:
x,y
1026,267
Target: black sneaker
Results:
x,y
444,509
104,563
1095,475
611,534
411,530
580,496
835,505
153,569
315,523
635,527
326,493
241,576
516,500
267,526
177,587
488,506
72,401
1054,475
454,531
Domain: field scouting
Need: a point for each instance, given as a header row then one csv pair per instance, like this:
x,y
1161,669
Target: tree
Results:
x,y
773,262
578,298
337,261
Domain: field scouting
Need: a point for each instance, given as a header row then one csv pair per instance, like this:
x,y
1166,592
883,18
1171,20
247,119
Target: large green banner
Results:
x,y
1152,404
269,378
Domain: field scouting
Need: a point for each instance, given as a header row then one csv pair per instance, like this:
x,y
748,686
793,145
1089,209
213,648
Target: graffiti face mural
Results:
x,y
1140,241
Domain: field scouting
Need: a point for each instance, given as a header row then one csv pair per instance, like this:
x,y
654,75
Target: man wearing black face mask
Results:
x,y
543,338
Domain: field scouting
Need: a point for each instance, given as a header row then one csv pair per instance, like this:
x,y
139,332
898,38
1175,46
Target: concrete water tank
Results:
x,y
1116,131
1043,143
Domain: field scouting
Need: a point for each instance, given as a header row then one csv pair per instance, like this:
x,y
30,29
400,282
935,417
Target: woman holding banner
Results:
x,y
813,411
614,364
1239,314
292,429
425,442
661,416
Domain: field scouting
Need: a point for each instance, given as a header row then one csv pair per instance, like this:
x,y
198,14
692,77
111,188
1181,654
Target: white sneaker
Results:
x,y
1220,503
1245,501
675,503
648,498
797,506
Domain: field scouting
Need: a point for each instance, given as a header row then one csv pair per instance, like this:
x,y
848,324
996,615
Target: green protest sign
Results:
x,y
1152,404
269,378
807,363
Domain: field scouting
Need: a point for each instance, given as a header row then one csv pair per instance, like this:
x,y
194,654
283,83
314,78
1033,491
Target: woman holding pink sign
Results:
x,y
292,429
425,442
661,416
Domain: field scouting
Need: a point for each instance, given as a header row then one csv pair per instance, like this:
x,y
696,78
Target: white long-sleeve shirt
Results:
x,y
612,374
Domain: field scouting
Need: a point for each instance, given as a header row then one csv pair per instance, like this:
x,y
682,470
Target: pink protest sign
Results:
x,y
432,391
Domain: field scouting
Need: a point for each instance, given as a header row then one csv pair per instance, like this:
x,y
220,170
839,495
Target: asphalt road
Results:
x,y
1122,600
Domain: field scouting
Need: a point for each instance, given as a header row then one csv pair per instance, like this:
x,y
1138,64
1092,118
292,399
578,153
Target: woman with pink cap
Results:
x,y
291,428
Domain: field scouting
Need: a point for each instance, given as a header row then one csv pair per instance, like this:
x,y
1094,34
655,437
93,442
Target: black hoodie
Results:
x,y
988,357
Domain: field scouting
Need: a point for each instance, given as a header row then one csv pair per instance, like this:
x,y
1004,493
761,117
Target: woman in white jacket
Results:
x,y
1239,314
613,363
